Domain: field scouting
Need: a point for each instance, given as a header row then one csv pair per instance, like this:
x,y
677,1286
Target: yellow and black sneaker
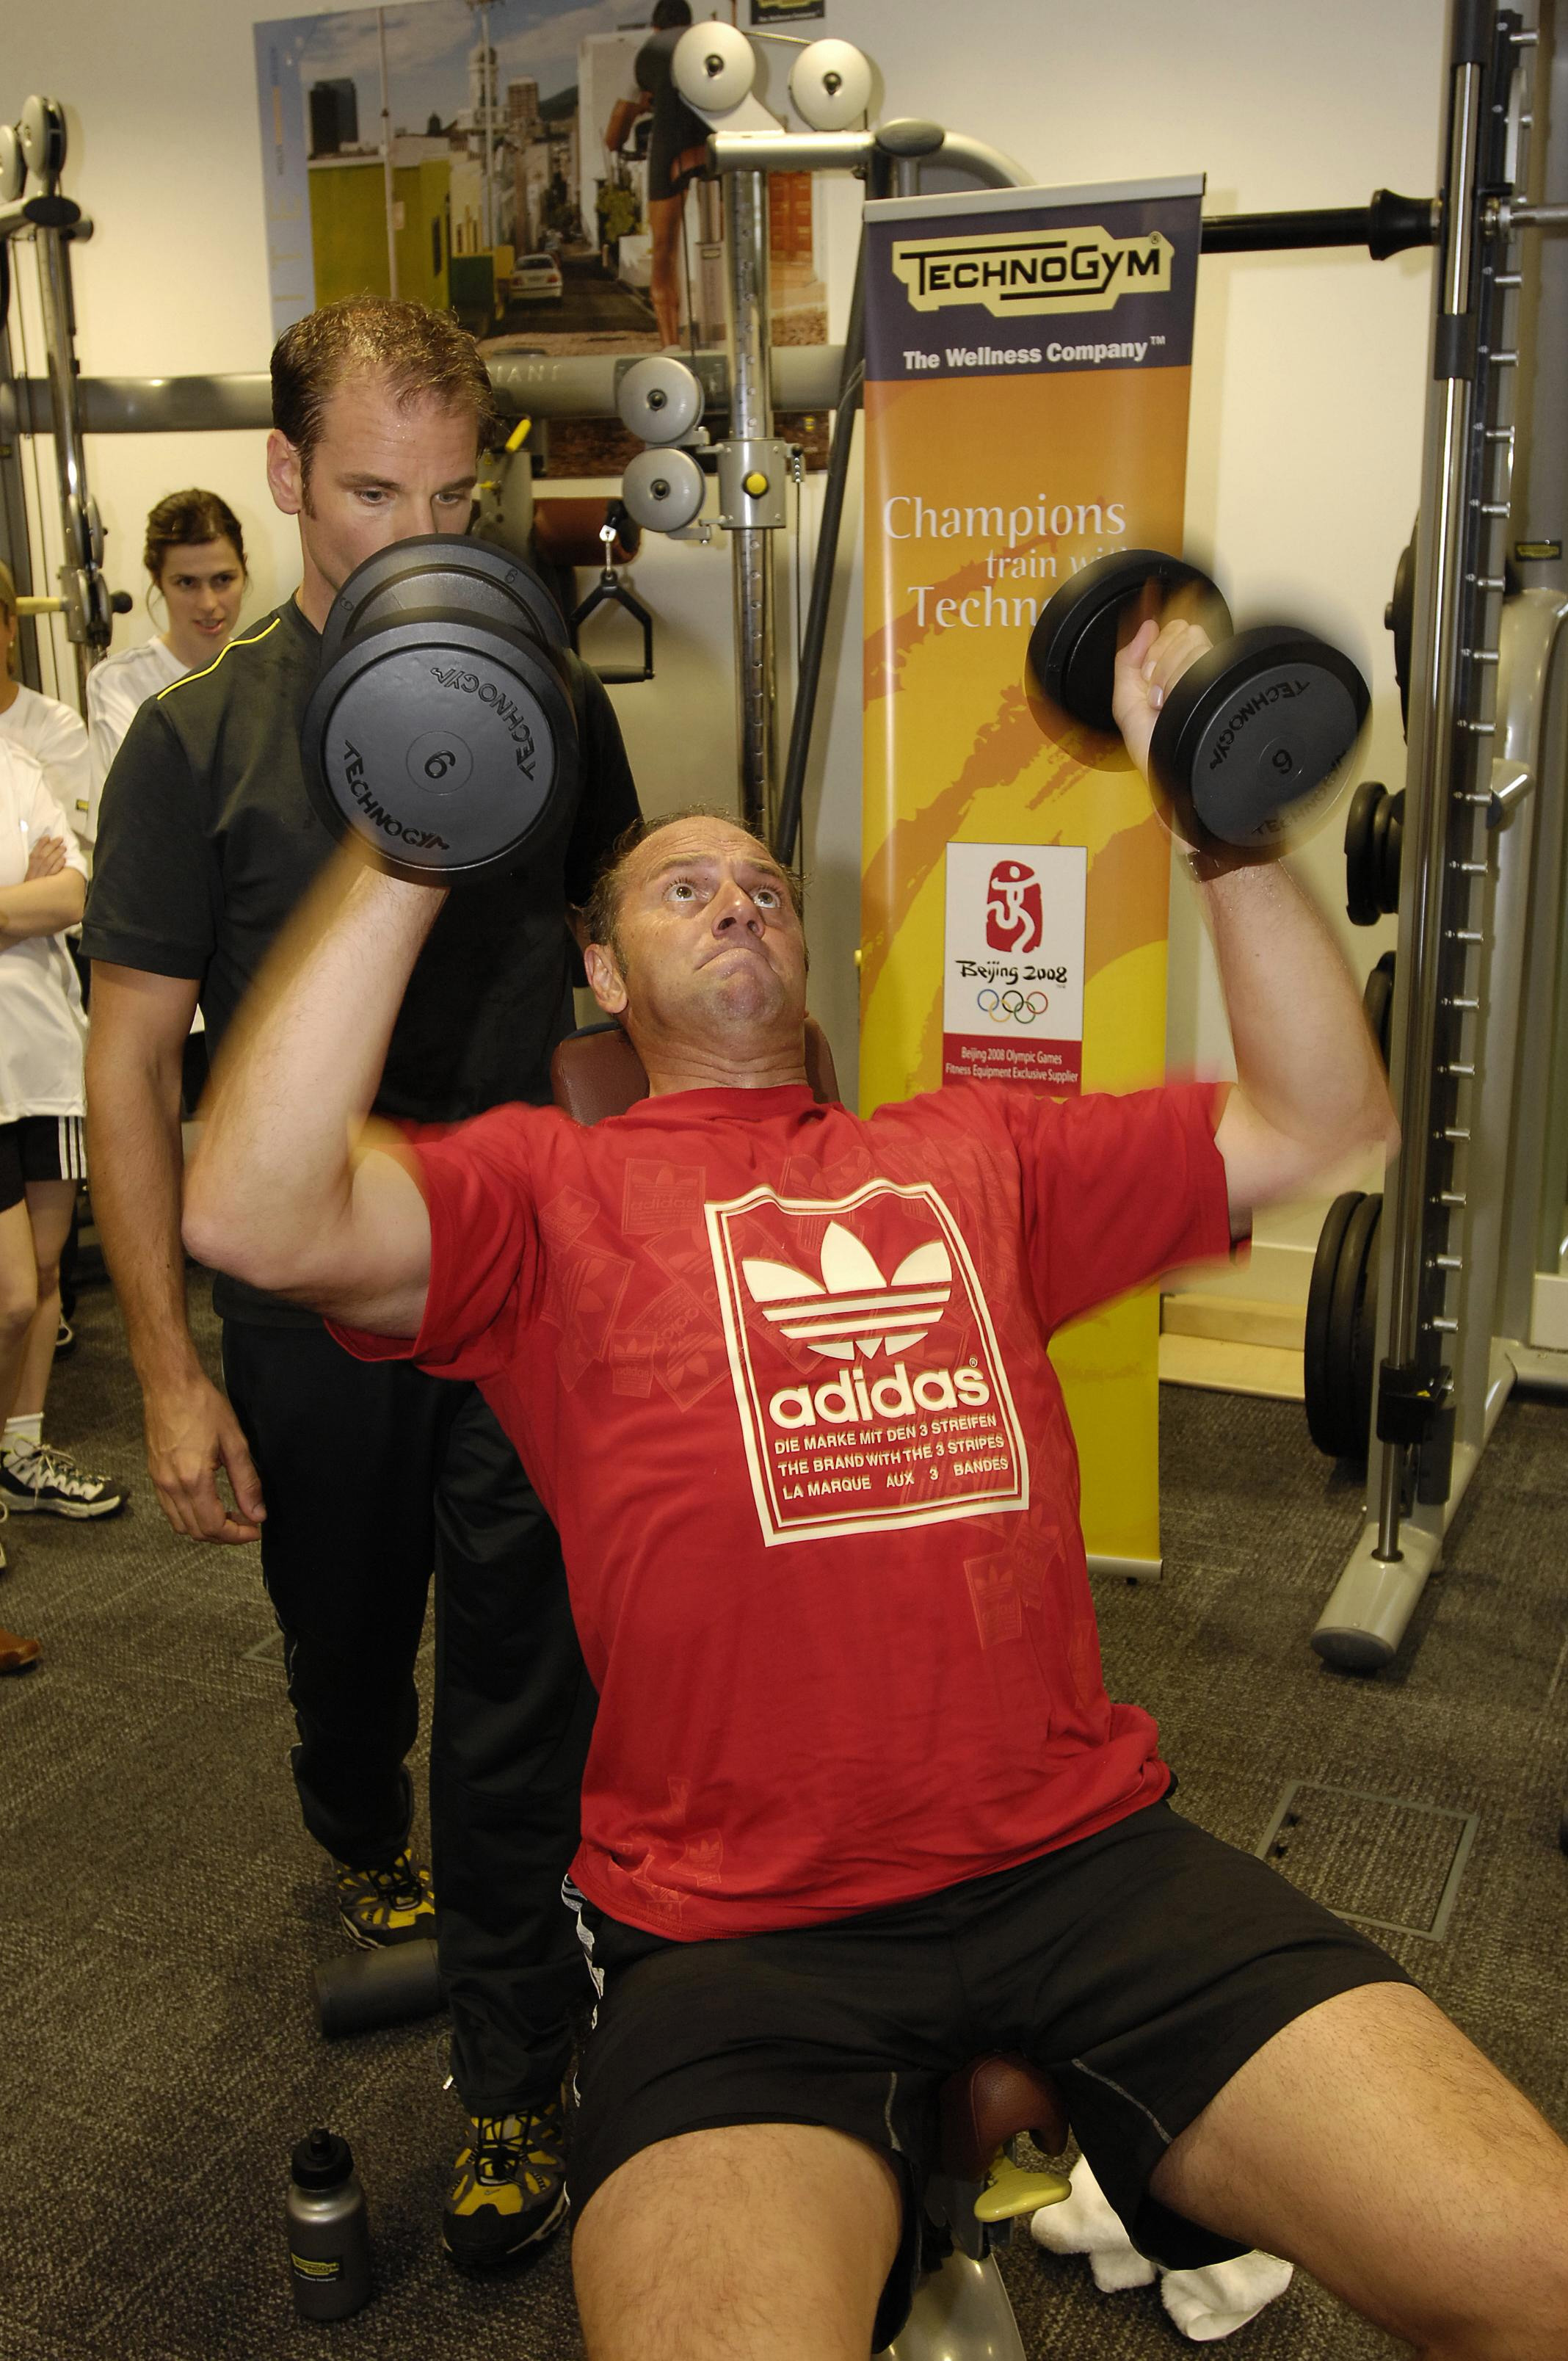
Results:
x,y
386,1906
509,2194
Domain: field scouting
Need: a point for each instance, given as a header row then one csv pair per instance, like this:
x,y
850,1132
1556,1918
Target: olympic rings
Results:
x,y
1003,1007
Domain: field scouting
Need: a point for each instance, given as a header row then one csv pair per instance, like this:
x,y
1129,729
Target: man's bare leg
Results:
x,y
758,2241
1372,2144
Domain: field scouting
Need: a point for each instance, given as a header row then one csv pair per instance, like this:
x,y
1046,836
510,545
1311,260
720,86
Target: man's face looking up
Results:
x,y
707,942
383,471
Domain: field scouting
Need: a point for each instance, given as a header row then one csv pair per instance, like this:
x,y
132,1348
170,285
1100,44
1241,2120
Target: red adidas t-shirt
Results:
x,y
780,1377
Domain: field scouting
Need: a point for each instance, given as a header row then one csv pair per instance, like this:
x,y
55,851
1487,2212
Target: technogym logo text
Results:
x,y
1022,273
915,1423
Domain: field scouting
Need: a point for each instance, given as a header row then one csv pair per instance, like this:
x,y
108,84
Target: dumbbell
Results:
x,y
1251,743
441,730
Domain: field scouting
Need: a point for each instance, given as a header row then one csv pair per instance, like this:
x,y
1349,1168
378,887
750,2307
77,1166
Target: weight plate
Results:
x,y
1399,617
662,491
659,399
1071,664
1376,853
1359,885
1345,1311
1254,737
1323,1420
830,86
713,66
475,579
443,745
1363,1336
41,133
13,165
1392,847
1377,1003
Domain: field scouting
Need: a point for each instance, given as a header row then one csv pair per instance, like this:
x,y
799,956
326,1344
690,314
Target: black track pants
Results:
x,y
373,1475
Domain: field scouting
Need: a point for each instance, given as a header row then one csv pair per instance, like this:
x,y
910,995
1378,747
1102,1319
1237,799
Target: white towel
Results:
x,y
1205,2304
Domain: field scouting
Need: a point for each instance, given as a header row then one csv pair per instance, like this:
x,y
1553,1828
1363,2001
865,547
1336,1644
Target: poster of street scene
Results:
x,y
506,160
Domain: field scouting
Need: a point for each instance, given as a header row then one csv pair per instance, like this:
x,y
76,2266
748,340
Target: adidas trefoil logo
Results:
x,y
852,1311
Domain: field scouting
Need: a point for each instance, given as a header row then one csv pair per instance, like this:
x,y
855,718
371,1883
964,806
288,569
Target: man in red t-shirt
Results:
x,y
858,1806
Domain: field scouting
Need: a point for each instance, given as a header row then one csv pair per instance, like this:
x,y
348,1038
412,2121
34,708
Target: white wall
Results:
x,y
1308,372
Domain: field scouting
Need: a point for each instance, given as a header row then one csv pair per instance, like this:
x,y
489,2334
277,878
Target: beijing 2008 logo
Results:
x,y
1001,1007
1014,920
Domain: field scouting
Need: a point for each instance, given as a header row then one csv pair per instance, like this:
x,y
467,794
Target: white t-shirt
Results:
x,y
57,738
114,689
42,1029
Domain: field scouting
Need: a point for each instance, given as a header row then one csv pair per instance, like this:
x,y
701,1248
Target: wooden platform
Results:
x,y
1230,1345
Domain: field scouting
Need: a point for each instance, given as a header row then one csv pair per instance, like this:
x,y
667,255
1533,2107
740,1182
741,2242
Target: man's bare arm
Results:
x,y
291,1188
133,1060
1311,1086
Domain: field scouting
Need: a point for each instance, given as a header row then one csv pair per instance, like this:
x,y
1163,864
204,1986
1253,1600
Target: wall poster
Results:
x,y
1028,357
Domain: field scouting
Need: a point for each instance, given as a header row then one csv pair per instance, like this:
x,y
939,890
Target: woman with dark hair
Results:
x,y
194,552
677,150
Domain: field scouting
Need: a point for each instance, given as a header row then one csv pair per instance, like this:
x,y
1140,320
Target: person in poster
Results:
x,y
677,150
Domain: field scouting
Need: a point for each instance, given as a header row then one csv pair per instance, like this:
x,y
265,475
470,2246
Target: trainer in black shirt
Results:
x,y
359,1480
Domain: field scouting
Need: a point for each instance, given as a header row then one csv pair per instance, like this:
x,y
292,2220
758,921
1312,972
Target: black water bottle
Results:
x,y
329,2235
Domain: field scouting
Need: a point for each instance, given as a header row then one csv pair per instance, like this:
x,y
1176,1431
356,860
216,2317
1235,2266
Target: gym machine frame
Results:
x,y
1481,888
36,150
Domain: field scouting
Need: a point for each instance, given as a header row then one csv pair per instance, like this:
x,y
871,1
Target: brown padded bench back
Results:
x,y
597,1072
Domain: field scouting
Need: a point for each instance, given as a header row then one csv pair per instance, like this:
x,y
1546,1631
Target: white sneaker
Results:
x,y
40,1476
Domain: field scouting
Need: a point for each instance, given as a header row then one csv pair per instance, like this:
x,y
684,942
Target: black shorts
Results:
x,y
41,1148
1141,1968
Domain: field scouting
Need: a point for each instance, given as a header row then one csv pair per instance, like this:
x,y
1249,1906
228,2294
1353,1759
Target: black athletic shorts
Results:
x,y
41,1148
1141,1968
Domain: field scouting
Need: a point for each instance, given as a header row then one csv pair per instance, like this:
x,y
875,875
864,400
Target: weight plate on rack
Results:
x,y
1377,1002
1376,858
1399,617
1364,1334
1325,1418
1360,885
1347,1312
1392,846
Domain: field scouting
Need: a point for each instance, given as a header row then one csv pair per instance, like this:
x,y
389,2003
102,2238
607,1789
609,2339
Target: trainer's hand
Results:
x,y
1153,660
191,1433
47,858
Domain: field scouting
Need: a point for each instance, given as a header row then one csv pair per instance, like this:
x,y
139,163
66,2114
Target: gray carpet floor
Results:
x,y
160,1908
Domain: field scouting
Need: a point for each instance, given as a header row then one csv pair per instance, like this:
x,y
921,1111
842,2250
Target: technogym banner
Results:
x,y
1028,362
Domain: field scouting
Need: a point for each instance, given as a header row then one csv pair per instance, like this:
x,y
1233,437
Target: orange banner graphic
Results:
x,y
1029,359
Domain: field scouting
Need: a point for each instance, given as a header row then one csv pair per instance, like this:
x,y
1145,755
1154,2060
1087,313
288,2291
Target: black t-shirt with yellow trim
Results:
x,y
208,840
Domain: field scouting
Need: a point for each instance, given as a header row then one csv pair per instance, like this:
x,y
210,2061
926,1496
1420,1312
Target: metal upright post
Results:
x,y
388,189
1434,1398
88,624
750,421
